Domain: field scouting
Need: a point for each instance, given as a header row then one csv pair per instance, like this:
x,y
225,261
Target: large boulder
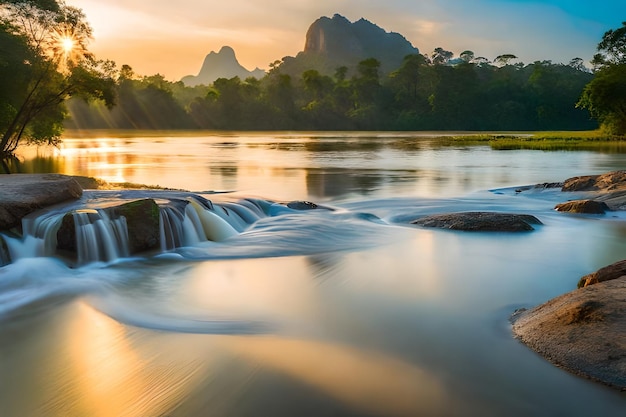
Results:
x,y
480,221
22,194
583,206
142,221
613,271
582,331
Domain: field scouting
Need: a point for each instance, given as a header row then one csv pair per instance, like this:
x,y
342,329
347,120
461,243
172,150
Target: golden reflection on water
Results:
x,y
92,365
107,376
366,381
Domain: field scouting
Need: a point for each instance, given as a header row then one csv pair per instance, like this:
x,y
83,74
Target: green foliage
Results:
x,y
605,95
419,95
37,74
612,47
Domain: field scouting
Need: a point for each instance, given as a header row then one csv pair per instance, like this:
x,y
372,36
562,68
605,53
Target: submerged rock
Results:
x,y
305,205
613,271
22,194
583,331
480,221
583,206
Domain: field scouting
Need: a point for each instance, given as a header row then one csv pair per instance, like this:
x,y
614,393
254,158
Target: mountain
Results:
x,y
222,64
334,42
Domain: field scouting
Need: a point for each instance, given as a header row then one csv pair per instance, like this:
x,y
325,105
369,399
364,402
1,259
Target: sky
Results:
x,y
172,38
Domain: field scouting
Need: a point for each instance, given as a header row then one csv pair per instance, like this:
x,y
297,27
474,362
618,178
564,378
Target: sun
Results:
x,y
67,44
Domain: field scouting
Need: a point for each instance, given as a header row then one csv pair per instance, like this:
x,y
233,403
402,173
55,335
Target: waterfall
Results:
x,y
102,235
98,237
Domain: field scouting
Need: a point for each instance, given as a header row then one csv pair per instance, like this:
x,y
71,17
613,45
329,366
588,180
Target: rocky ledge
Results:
x,y
583,331
604,192
22,194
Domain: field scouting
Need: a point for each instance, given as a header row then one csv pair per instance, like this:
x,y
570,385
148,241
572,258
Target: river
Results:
x,y
343,312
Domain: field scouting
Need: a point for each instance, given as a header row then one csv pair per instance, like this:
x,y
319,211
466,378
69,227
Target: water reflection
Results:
x,y
306,166
369,382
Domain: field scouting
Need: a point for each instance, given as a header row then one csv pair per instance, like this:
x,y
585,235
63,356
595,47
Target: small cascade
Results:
x,y
116,231
98,237
39,237
171,228
215,228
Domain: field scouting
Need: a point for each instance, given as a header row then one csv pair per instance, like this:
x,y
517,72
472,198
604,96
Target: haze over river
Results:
x,y
344,312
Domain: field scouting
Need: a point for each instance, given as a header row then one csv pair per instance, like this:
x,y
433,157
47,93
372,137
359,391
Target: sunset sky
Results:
x,y
173,37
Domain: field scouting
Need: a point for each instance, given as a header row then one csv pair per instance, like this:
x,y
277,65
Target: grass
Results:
x,y
547,141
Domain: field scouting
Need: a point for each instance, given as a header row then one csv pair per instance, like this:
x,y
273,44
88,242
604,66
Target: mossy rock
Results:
x,y
142,220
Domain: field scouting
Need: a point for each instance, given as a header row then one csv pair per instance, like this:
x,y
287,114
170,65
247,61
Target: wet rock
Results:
x,y
5,256
305,205
610,272
142,219
583,206
480,222
581,331
22,194
66,235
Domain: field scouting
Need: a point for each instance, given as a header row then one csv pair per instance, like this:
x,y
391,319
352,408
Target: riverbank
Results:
x,y
584,331
593,140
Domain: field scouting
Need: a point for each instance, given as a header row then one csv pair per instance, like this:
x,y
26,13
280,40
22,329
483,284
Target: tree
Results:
x,y
605,95
612,48
440,56
504,59
467,56
48,64
605,98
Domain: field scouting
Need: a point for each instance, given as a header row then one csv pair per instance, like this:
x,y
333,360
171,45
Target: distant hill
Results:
x,y
334,42
222,64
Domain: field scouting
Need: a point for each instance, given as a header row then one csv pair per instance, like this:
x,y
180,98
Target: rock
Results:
x,y
22,194
604,182
302,205
5,256
480,222
613,271
66,235
583,206
306,205
335,42
142,219
609,188
222,64
583,331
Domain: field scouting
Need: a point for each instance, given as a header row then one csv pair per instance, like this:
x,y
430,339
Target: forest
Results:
x,y
50,81
423,94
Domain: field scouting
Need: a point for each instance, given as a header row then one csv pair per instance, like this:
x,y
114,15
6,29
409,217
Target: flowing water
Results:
x,y
252,307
